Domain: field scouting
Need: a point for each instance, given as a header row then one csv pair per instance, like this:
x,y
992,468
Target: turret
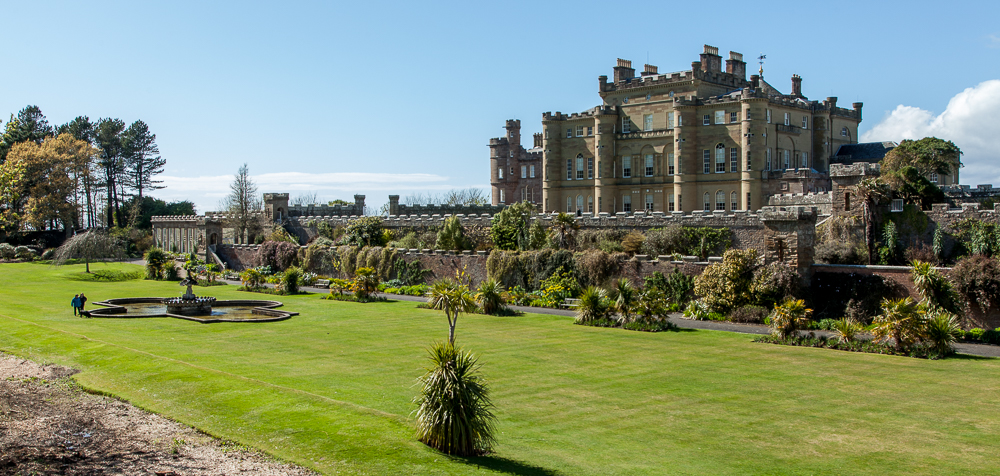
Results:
x,y
857,109
513,132
797,86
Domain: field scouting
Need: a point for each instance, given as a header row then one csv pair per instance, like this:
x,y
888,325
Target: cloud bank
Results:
x,y
971,120
207,191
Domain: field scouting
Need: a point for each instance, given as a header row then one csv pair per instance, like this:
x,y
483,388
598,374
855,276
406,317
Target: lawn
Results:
x,y
332,388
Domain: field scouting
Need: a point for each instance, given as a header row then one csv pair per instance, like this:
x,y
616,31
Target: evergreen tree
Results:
x,y
141,158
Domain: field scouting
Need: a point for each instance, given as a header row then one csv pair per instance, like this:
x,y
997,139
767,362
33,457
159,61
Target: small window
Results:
x,y
579,203
748,201
501,196
706,120
805,122
748,114
787,158
649,165
647,122
649,96
670,202
579,131
600,128
600,203
511,154
500,173
720,200
720,158
649,202
734,117
748,161
626,126
708,202
569,204
670,120
768,116
531,171
805,160
708,161
627,166
590,167
680,120
788,119
627,203
670,163
733,159
524,171
546,134
579,167
569,169
590,203
590,131
625,100
934,177
732,198
720,117
847,201
843,132
897,205
569,133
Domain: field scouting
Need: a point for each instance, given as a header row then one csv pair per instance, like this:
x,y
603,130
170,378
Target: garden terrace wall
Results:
x,y
899,275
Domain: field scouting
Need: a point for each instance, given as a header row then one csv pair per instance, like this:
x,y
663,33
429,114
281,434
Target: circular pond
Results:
x,y
244,310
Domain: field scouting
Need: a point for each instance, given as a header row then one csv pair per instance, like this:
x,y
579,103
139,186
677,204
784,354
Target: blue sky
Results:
x,y
402,97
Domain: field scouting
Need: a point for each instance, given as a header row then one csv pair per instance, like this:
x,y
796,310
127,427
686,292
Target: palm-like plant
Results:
x,y
847,329
365,283
624,300
933,287
490,296
454,412
593,305
788,316
452,298
562,227
901,320
941,330
871,192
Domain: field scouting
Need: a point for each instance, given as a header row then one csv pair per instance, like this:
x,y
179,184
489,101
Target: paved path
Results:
x,y
982,350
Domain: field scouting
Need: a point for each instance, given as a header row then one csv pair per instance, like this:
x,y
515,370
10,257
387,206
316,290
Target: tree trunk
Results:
x,y
451,329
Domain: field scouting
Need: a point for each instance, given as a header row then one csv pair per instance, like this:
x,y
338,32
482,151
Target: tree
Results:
x,y
364,231
11,189
452,298
308,198
452,235
29,125
563,226
934,288
243,206
141,158
788,316
107,138
454,412
901,320
89,246
509,230
82,129
593,305
872,193
906,168
624,300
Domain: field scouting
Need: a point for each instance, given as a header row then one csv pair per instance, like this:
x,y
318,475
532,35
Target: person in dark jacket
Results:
x,y
83,302
76,305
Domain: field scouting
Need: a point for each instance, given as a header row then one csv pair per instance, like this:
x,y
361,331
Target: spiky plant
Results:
x,y
935,290
941,330
365,283
901,320
593,305
454,412
624,300
788,317
490,296
453,298
847,329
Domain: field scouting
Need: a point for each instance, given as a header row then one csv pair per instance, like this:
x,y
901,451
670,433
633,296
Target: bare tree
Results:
x,y
243,206
466,196
90,246
308,198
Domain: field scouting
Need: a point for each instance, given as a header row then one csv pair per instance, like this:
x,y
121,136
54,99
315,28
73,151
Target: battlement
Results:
x,y
174,218
275,196
855,169
589,113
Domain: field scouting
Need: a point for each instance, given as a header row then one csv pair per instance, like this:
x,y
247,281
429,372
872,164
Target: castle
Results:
x,y
701,139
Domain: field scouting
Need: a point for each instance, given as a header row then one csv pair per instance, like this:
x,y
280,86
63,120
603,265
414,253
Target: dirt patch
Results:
x,y
48,425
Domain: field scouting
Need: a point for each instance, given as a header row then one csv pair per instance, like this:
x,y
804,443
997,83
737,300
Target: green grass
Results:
x,y
332,388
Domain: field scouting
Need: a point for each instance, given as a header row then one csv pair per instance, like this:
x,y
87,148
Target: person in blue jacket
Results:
x,y
76,305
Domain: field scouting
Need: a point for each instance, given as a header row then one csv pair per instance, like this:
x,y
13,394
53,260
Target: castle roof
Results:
x,y
870,152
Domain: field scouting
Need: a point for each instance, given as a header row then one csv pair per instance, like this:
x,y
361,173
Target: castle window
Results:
x,y
708,161
720,158
720,117
805,160
579,167
579,131
626,126
768,116
670,163
627,166
500,173
787,155
649,165
531,171
748,160
569,204
843,132
600,204
590,167
512,170
627,203
748,114
546,134
720,200
569,133
569,169
934,177
748,201
579,203
734,117
708,202
590,203
847,201
768,164
501,195
680,119
670,120
649,96
600,128
706,120
590,131
732,198
805,122
649,202
897,205
788,119
647,122
524,172
733,159
670,202
680,202
511,154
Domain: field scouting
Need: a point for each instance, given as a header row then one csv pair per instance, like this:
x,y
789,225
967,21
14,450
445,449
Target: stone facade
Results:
x,y
691,140
823,201
397,209
515,172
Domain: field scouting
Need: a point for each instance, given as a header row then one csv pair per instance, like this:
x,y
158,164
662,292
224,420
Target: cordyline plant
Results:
x,y
452,298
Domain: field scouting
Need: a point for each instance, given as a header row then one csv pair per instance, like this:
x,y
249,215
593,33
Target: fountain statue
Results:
x,y
189,304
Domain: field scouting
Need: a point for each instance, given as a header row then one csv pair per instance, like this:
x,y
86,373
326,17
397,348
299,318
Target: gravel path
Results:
x,y
48,425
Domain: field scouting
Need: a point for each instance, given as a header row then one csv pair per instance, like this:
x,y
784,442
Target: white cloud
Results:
x,y
970,120
207,191
994,41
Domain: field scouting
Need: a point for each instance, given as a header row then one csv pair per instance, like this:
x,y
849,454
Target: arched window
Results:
x,y
627,203
579,203
590,203
720,158
708,202
720,200
732,198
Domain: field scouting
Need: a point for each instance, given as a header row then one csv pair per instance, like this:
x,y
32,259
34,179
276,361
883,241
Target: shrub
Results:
x,y
169,270
364,231
901,320
454,412
365,283
788,317
847,329
6,251
977,281
651,306
633,242
591,238
593,305
921,252
610,246
664,241
727,285
252,279
698,310
941,331
934,289
452,235
509,229
749,315
24,253
490,297
278,255
623,297
410,273
597,266
839,252
49,254
290,280
112,275
705,241
775,283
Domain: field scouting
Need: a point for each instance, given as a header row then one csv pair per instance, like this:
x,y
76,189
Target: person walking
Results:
x,y
83,302
76,305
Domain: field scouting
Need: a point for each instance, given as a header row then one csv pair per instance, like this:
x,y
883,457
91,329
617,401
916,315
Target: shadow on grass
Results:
x,y
507,465
970,357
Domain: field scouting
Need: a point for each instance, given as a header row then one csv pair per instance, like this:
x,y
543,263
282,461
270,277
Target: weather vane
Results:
x,y
760,59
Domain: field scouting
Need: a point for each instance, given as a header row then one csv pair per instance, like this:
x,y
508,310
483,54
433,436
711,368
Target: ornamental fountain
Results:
x,y
189,304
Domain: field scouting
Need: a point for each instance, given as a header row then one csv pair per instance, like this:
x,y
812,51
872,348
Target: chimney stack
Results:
x,y
832,102
735,65
538,140
754,81
857,109
711,62
624,71
649,70
796,86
